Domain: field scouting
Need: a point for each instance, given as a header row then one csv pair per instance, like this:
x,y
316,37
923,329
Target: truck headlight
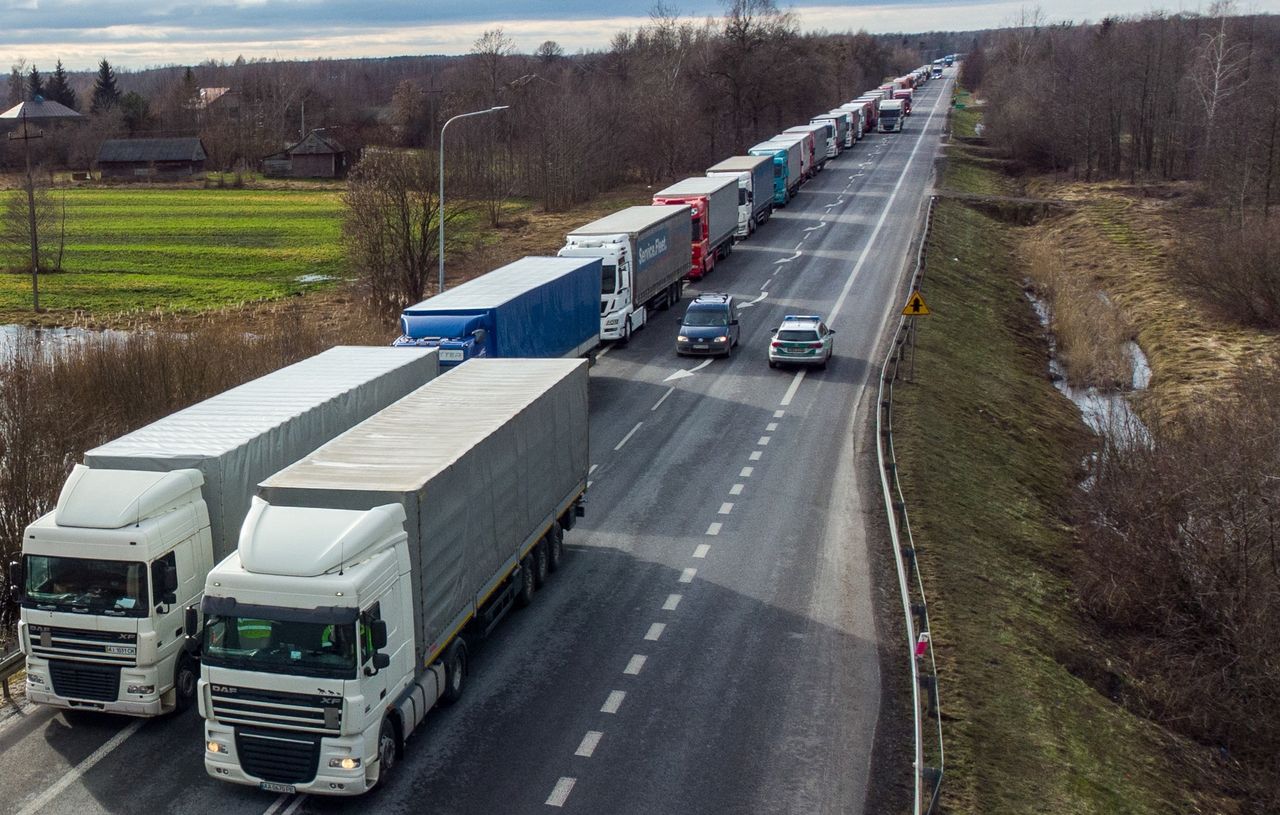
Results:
x,y
142,689
35,679
346,763
216,747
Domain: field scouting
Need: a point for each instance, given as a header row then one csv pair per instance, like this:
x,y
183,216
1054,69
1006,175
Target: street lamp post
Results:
x,y
440,217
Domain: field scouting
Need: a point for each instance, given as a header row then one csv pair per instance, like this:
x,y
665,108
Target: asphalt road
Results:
x,y
710,645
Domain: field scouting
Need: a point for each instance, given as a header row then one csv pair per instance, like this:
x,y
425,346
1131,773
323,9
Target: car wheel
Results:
x,y
773,364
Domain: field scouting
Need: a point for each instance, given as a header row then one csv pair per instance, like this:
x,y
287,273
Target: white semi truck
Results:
x,y
106,575
755,189
645,254
367,570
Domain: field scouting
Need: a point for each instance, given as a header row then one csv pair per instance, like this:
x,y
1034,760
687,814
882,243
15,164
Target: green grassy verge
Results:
x,y
188,250
989,453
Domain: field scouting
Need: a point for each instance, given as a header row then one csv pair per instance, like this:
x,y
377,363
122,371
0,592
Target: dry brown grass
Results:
x,y
1129,245
1091,331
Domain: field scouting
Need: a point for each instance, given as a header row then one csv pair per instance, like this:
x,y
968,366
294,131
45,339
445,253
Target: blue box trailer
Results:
x,y
535,307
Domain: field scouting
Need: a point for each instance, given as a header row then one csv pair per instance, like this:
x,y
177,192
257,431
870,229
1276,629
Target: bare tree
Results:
x,y
15,226
389,225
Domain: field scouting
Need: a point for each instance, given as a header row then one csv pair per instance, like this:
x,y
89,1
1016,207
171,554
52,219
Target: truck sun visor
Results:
x,y
228,607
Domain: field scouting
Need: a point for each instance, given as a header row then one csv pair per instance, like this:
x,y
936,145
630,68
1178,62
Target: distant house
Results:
x,y
319,155
140,159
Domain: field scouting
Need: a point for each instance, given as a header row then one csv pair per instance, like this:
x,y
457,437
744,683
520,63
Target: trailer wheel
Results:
x,y
455,672
555,547
540,567
388,746
524,595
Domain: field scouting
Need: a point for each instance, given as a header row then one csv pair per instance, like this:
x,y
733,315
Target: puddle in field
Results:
x,y
1106,412
49,340
314,278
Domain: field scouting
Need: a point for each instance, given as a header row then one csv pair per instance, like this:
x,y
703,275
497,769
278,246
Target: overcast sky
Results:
x,y
144,33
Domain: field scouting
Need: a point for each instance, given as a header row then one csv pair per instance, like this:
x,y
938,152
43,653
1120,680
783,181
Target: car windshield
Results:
x,y
798,335
706,317
280,646
81,584
608,278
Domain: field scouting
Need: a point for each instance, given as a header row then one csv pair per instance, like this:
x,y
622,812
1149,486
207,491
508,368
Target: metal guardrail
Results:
x,y
10,665
928,771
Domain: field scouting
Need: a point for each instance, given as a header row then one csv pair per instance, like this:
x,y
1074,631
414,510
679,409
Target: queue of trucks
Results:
x,y
310,557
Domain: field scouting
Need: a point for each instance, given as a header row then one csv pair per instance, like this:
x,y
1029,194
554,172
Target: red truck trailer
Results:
x,y
714,205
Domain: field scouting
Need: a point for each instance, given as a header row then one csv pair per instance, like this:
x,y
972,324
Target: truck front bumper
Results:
x,y
40,691
225,765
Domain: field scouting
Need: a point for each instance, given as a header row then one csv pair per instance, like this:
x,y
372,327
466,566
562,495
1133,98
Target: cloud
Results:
x,y
136,34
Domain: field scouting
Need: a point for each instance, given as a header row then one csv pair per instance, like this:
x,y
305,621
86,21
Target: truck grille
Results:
x,y
101,647
78,680
304,713
282,758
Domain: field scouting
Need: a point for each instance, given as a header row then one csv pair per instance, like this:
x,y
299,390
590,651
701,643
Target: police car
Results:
x,y
802,339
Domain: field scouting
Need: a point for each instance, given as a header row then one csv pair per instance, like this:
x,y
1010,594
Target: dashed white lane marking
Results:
x,y
736,489
772,426
673,600
763,294
800,245
614,701
726,508
795,383
77,772
700,551
655,631
778,414
658,404
687,575
746,472
755,455
589,743
635,665
293,807
561,792
787,260
764,441
627,437
603,351
714,529
593,469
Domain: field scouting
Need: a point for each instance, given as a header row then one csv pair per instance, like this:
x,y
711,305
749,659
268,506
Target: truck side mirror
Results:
x,y
378,630
191,626
481,335
380,661
15,578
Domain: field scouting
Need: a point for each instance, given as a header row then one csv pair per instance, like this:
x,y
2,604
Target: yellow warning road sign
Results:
x,y
915,306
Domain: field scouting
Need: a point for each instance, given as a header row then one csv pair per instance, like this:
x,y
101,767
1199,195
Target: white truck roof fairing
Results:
x,y
312,542
113,499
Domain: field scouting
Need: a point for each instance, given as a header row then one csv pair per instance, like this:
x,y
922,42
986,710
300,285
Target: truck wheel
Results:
x,y
387,748
186,676
555,547
524,593
540,564
455,672
626,332
751,226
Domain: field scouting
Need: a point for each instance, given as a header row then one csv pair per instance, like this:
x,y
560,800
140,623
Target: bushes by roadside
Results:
x,y
55,403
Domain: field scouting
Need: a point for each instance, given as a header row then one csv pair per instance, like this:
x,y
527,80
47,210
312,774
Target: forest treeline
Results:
x,y
1161,97
671,96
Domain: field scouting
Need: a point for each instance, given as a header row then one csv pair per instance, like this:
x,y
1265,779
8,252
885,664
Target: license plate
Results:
x,y
122,650
271,786
701,346
451,356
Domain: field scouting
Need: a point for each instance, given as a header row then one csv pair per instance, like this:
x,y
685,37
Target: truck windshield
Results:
x,y
280,646
608,278
697,229
742,196
118,588
777,167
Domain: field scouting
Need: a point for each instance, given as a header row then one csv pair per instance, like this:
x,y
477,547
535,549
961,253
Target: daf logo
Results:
x,y
223,689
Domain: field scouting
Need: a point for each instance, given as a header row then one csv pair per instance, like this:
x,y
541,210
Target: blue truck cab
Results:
x,y
534,307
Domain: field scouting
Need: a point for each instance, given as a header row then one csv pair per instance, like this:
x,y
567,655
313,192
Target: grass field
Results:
x,y
137,250
989,455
